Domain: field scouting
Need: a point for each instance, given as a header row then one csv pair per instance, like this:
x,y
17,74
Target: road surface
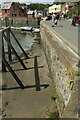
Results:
x,y
69,34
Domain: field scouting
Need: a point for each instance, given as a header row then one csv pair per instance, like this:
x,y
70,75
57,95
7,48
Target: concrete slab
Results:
x,y
28,103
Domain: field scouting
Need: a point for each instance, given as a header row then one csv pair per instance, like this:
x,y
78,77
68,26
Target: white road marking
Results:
x,y
55,34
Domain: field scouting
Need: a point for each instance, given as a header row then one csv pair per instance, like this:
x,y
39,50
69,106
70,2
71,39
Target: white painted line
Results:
x,y
73,52
64,43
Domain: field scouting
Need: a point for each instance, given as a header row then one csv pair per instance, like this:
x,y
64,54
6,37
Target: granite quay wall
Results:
x,y
22,21
62,66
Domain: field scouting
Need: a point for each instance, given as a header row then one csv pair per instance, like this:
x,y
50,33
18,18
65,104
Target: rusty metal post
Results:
x,y
3,55
19,45
13,73
15,52
8,36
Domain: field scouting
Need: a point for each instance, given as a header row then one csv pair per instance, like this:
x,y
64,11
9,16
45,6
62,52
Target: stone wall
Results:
x,y
61,62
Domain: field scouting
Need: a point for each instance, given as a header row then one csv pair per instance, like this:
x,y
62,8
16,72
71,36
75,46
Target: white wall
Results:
x,y
55,9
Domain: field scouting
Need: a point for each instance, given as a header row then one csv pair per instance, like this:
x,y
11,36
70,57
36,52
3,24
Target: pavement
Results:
x,y
34,101
69,34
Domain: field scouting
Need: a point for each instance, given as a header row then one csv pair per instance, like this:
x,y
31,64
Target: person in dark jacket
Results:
x,y
74,20
79,20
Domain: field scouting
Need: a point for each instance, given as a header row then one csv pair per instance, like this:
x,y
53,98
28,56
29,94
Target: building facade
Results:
x,y
68,6
55,9
30,14
12,9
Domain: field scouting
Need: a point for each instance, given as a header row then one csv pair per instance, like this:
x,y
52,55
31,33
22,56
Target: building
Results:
x,y
68,6
12,9
55,9
25,10
30,14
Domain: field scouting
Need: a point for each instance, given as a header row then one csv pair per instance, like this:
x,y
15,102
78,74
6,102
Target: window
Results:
x,y
5,11
14,15
14,8
55,9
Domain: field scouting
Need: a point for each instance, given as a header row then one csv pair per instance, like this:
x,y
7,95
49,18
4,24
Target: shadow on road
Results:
x,y
27,68
37,79
31,86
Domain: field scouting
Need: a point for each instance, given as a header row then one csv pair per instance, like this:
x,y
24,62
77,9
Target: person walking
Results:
x,y
57,16
62,16
79,20
74,20
33,14
56,21
53,19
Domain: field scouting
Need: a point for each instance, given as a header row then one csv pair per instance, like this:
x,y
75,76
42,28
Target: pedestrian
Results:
x,y
62,16
33,14
79,20
57,16
74,20
53,19
38,20
56,21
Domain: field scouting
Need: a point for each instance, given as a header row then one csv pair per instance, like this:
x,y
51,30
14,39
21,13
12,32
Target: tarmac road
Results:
x,y
69,34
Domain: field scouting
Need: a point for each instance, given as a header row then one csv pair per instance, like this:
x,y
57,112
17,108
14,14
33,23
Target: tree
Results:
x,y
57,2
38,6
23,4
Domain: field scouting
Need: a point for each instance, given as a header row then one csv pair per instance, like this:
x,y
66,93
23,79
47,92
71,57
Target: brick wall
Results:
x,y
18,12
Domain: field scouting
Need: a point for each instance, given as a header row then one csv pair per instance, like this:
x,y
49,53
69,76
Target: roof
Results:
x,y
6,5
